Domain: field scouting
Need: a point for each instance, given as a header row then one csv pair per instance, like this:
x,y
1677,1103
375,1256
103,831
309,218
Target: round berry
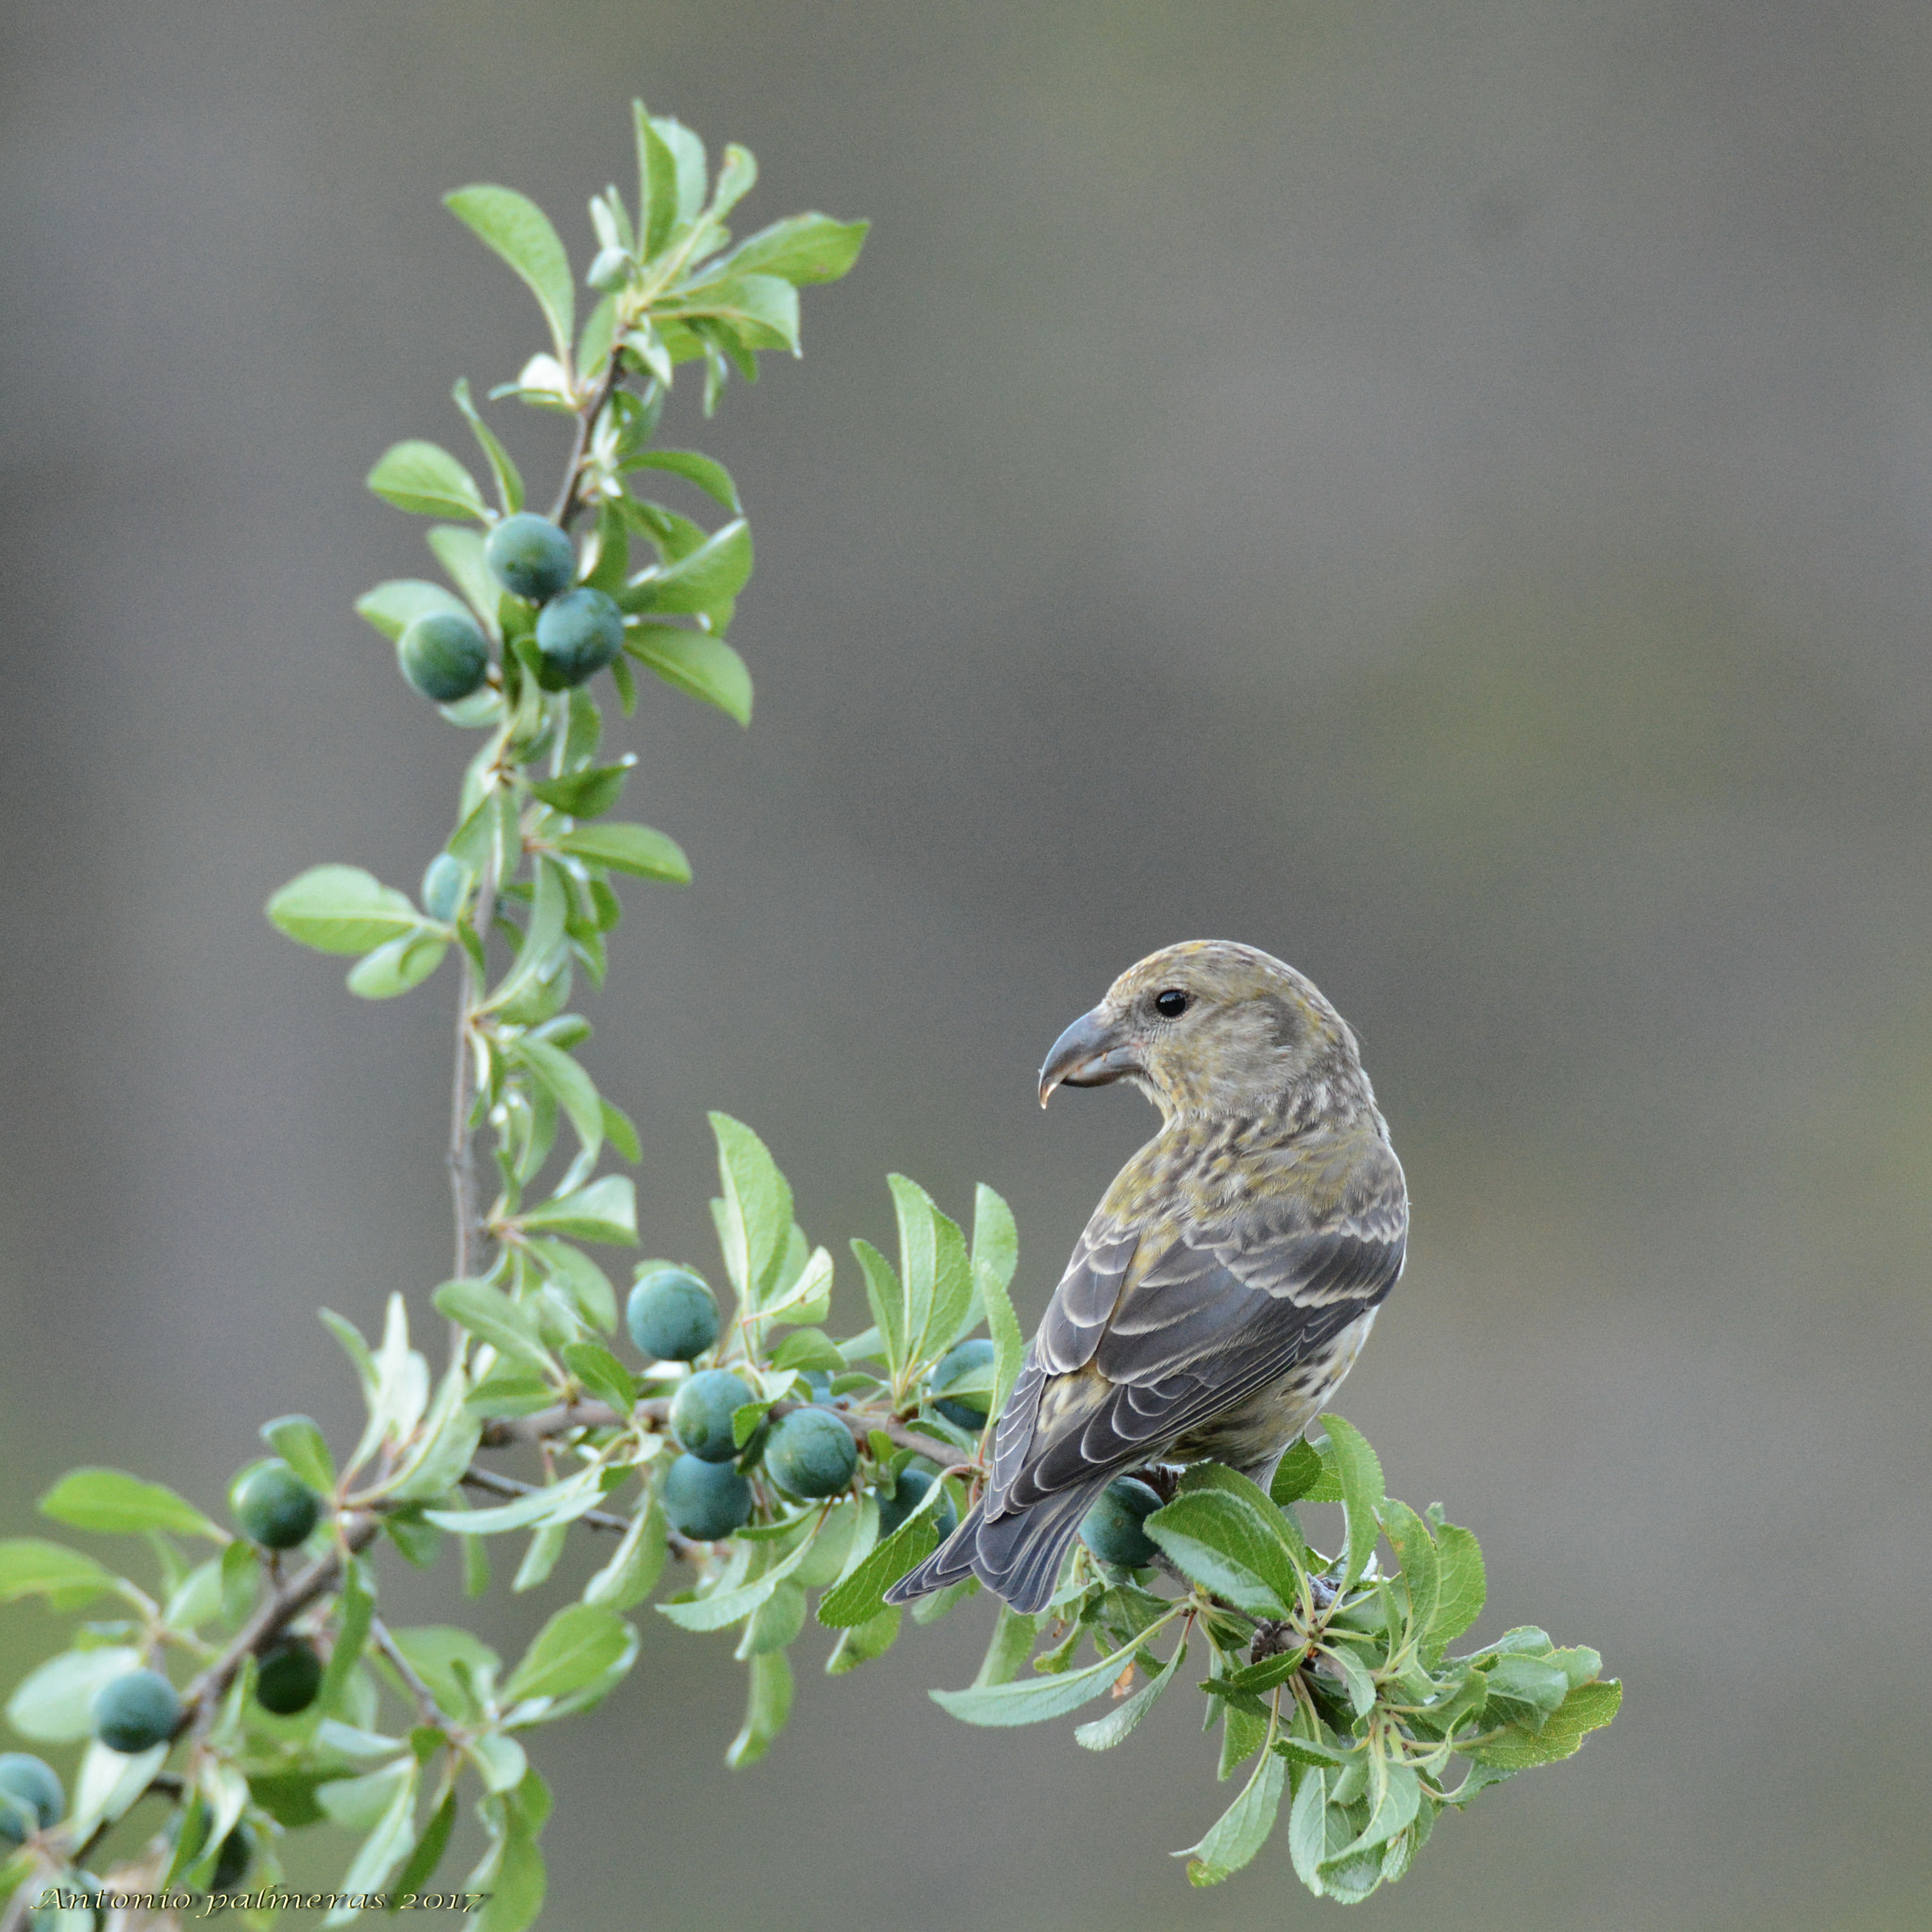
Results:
x,y
445,884
288,1676
1112,1527
136,1711
30,1797
811,1453
531,557
704,1500
701,1415
912,1491
673,1317
444,655
274,1506
965,1412
579,633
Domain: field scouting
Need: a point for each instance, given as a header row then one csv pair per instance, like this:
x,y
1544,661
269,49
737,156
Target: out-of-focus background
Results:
x,y
1443,493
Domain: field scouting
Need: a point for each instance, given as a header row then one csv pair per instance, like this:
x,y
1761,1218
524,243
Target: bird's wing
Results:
x,y
1158,1327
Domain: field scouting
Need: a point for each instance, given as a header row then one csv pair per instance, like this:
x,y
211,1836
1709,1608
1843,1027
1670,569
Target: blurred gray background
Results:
x,y
1443,493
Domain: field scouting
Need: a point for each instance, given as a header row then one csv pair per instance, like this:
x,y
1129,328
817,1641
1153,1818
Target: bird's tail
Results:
x,y
1016,1556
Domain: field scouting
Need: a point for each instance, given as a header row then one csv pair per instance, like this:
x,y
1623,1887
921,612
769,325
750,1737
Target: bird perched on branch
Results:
x,y
1230,1274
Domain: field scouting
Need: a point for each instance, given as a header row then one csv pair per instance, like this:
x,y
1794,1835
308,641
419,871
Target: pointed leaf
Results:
x,y
1361,1475
520,232
425,479
106,1499
696,663
629,848
801,249
1103,1733
342,909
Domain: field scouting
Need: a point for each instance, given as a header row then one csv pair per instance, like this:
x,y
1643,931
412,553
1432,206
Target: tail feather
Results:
x,y
1018,1557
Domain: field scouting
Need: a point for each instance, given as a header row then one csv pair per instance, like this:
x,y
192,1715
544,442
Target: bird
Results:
x,y
1227,1281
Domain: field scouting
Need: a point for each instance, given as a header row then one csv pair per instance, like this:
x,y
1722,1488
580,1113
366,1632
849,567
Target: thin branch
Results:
x,y
570,501
426,1698
547,1424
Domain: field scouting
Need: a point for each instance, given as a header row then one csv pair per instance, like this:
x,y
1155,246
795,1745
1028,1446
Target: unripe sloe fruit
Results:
x,y
673,1317
30,1797
135,1711
274,1506
810,1454
531,557
288,1676
963,1412
445,881
704,1500
445,656
911,1493
1112,1527
579,633
701,1415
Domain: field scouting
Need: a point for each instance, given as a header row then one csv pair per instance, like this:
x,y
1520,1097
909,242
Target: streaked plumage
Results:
x,y
1230,1273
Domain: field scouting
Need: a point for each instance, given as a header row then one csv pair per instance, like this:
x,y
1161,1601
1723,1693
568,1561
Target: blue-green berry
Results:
x,y
810,1454
913,1483
1112,1527
579,633
136,1711
445,884
445,656
530,556
288,1676
701,1415
30,1797
274,1506
704,1500
967,1412
672,1315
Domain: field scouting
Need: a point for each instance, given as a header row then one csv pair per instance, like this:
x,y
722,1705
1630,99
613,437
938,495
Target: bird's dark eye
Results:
x,y
1172,1003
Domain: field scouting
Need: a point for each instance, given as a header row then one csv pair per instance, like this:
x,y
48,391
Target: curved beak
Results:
x,y
1093,1051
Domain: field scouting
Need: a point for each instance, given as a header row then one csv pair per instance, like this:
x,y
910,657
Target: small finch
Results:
x,y
1230,1274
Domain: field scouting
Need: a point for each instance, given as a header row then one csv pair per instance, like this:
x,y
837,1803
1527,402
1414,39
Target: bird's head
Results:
x,y
1209,1028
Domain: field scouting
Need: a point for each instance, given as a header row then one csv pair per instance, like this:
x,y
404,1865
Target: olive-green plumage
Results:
x,y
1230,1273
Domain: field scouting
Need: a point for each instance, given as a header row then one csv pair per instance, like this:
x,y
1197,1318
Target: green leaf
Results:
x,y
1461,1588
1033,1701
520,232
576,1645
420,1866
1231,1545
629,848
509,484
757,1220
394,605
301,1446
460,552
387,1841
55,1702
423,479
862,1643
357,1611
767,1706
1361,1475
567,1083
398,966
888,1305
1103,1733
801,249
1015,1635
585,794
713,478
105,1499
632,1573
760,310
557,1503
580,1279
725,1606
1296,1473
1587,1709
808,1348
605,1211
656,184
708,580
862,1594
601,1373
491,1316
1008,1344
342,909
696,663
1415,1550
29,1566
1242,1829
543,949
